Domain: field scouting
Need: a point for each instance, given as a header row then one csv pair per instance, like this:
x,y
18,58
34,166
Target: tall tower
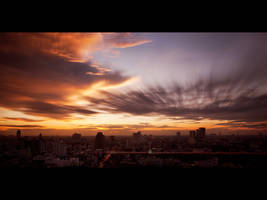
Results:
x,y
76,137
18,134
99,141
202,132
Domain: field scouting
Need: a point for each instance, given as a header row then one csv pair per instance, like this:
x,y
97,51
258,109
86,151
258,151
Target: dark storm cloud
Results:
x,y
38,82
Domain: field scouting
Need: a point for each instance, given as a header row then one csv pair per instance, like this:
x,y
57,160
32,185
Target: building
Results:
x,y
137,134
198,134
100,141
76,137
18,134
40,136
192,133
111,141
35,146
56,147
201,132
60,148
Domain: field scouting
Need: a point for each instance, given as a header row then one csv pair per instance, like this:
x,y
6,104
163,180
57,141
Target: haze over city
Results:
x,y
120,83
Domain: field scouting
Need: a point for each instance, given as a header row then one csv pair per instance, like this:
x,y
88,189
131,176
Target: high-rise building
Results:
x,y
137,134
111,141
76,137
18,134
112,138
60,148
100,141
201,132
192,133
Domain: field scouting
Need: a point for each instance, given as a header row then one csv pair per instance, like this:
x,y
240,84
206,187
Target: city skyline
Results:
x,y
120,83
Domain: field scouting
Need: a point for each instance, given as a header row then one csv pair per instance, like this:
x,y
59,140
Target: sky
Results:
x,y
120,83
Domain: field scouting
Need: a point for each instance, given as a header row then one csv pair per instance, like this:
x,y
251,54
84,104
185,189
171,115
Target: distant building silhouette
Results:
x,y
112,138
201,132
137,134
76,137
35,146
111,141
60,148
55,147
198,134
18,134
192,133
100,141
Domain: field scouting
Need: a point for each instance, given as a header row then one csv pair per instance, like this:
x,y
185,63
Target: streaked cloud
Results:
x,y
22,119
212,100
58,77
20,126
40,71
124,40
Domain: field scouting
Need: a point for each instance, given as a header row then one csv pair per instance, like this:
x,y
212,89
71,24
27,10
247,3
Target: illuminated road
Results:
x,y
187,156
192,153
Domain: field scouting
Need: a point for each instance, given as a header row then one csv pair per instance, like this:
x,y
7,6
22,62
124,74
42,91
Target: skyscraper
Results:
x,y
18,134
192,133
201,132
76,137
99,141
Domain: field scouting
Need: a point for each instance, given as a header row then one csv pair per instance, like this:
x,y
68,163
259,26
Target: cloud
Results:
x,y
20,126
215,100
76,47
124,40
127,44
53,110
248,125
237,96
39,72
128,127
22,119
101,70
71,46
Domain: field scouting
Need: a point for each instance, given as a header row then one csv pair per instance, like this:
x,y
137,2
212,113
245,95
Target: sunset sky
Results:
x,y
119,83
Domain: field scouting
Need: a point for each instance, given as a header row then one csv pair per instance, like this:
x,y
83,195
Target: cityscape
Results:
x,y
133,100
196,150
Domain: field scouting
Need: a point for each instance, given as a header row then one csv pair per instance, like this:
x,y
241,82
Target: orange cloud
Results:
x,y
22,119
34,79
76,47
100,70
41,73
130,44
72,46
124,40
